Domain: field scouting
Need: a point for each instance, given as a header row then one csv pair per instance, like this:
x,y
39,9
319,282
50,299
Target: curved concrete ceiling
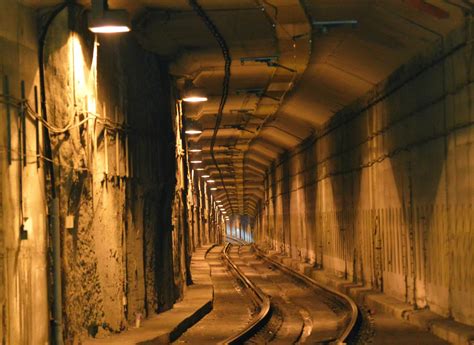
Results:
x,y
316,72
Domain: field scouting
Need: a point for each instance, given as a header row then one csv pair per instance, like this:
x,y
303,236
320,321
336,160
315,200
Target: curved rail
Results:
x,y
349,302
260,298
351,321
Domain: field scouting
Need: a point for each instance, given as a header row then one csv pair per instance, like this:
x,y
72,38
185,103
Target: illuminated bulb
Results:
x,y
195,150
195,99
193,131
103,20
111,29
196,162
199,169
211,181
213,188
192,94
205,176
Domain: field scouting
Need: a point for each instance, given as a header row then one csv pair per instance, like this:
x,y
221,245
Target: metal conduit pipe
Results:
x,y
54,207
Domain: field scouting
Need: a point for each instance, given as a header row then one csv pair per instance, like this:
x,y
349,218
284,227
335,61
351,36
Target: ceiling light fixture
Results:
x,y
214,188
194,148
192,94
195,157
193,127
205,176
102,20
199,169
211,181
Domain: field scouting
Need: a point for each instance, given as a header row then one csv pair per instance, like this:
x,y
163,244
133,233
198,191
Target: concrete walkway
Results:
x,y
165,327
232,307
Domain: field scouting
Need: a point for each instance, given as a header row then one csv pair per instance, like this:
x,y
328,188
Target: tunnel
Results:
x,y
236,172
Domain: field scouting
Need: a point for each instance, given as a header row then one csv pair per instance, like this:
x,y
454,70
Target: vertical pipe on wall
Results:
x,y
106,144
37,129
6,92
57,293
21,158
117,147
57,303
23,122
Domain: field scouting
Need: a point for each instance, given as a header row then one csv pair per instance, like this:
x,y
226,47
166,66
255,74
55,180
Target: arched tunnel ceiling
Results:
x,y
271,109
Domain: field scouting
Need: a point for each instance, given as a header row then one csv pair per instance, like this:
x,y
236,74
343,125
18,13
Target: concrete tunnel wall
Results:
x,y
383,194
23,264
128,216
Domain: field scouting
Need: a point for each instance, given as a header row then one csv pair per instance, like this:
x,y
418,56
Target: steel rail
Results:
x,y
349,302
261,299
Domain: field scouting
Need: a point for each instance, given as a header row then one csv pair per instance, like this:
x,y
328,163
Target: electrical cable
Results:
x,y
107,123
225,83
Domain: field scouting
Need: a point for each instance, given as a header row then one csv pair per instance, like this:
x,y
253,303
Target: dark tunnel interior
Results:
x,y
236,172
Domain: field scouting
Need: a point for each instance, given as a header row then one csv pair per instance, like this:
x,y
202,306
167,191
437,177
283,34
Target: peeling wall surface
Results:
x,y
120,257
383,194
119,171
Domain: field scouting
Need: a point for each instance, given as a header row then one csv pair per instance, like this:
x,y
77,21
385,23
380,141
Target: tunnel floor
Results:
x,y
301,314
231,311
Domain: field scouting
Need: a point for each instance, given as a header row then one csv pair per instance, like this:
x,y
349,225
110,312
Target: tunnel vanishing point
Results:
x,y
236,172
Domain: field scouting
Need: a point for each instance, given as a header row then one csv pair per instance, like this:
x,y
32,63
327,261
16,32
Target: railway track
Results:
x,y
261,300
292,309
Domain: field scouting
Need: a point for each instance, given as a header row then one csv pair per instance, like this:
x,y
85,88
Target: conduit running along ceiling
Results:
x,y
315,73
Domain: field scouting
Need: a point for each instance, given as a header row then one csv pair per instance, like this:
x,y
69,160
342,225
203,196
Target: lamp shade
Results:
x,y
192,127
195,157
103,20
194,148
194,94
